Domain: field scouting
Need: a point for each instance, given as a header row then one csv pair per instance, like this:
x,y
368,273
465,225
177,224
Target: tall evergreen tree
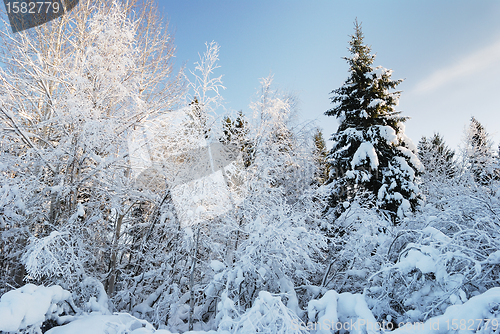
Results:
x,y
370,151
436,156
479,152
237,132
320,153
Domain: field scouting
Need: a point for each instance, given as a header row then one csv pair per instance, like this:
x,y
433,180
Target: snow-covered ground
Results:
x,y
27,308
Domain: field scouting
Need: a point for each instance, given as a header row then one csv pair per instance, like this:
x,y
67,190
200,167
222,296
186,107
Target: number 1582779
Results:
x,y
25,7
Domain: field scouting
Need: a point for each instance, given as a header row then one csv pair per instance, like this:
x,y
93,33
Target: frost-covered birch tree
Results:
x,y
71,92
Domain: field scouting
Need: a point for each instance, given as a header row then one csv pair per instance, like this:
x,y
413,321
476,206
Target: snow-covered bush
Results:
x,y
13,236
359,240
24,310
117,323
90,296
272,239
56,256
268,314
345,312
37,309
274,254
441,258
480,314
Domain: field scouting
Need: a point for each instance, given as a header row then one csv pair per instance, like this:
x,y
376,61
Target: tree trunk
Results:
x,y
114,251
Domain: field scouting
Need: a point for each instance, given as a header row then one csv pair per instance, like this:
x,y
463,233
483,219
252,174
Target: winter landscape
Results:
x,y
129,203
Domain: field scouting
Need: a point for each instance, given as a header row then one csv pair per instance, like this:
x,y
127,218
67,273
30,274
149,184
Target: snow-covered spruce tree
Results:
x,y
370,150
441,170
436,156
236,131
479,153
320,153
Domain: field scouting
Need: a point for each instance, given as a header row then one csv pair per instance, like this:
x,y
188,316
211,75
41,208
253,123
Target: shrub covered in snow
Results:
x,y
268,314
451,259
24,310
480,314
117,323
346,311
359,240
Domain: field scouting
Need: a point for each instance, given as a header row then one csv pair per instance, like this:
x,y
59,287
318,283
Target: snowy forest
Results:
x,y
130,203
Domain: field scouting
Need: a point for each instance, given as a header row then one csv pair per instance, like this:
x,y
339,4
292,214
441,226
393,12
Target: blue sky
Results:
x,y
448,52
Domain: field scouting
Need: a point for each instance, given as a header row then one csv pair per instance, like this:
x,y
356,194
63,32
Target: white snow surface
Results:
x,y
463,319
29,305
413,158
107,324
388,134
437,235
217,265
376,102
334,308
365,151
494,258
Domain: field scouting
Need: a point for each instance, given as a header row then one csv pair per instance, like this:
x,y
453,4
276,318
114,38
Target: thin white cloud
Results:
x,y
476,62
